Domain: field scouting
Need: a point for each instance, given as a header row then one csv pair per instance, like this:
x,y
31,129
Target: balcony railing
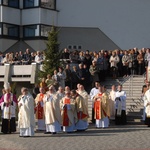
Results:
x,y
19,73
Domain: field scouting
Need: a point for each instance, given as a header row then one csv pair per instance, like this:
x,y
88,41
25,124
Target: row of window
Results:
x,y
36,30
50,4
30,31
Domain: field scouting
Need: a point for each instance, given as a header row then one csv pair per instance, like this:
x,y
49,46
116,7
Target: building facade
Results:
x,y
83,24
26,23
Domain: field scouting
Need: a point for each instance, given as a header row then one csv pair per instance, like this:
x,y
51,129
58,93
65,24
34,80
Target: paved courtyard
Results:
x,y
129,137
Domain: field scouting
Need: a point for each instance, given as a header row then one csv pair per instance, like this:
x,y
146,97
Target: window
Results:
x,y
51,4
37,31
79,47
44,30
31,3
32,31
69,47
10,30
48,4
74,47
11,3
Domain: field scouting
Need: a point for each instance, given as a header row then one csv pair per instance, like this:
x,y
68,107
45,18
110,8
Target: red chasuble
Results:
x,y
65,116
97,107
39,108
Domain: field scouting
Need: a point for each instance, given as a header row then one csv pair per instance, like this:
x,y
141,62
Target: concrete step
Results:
x,y
135,122
130,110
134,103
133,88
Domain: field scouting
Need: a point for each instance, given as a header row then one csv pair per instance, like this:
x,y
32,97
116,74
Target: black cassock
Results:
x,y
8,125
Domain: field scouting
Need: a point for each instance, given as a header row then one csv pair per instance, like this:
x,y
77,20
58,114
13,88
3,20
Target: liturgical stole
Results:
x,y
65,117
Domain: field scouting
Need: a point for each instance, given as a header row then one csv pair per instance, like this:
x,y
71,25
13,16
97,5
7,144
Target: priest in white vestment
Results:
x,y
68,113
52,111
84,94
39,110
120,106
101,108
112,97
147,106
8,103
26,120
60,93
82,112
94,91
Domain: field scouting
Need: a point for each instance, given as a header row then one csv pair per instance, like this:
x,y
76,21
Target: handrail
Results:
x,y
130,84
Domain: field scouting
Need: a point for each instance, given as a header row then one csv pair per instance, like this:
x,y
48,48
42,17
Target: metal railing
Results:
x,y
130,83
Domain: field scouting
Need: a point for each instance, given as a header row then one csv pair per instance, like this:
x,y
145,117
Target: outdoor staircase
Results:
x,y
134,103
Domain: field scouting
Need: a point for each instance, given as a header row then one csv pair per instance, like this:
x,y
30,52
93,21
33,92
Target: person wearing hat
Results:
x,y
8,103
52,111
26,121
68,112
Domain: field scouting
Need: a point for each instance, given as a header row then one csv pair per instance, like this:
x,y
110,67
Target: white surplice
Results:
x,y
146,103
52,113
112,97
26,120
122,96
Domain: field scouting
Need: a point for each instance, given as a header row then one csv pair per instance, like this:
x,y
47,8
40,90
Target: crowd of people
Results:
x,y
101,63
111,63
60,101
61,110
21,58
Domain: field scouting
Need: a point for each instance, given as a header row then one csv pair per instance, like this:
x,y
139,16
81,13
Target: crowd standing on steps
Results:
x,y
60,101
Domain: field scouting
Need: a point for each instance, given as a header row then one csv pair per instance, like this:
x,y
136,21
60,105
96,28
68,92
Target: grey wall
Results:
x,y
89,38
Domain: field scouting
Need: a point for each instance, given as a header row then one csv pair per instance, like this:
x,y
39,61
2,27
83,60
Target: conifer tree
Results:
x,y
52,54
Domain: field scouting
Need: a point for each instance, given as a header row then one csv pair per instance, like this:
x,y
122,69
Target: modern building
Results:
x,y
25,23
83,24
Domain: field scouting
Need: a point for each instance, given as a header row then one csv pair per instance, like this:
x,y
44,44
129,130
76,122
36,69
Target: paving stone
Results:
x,y
129,137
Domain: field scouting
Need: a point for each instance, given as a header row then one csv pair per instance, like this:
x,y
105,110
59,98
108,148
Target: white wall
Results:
x,y
39,15
1,13
10,15
125,22
49,17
